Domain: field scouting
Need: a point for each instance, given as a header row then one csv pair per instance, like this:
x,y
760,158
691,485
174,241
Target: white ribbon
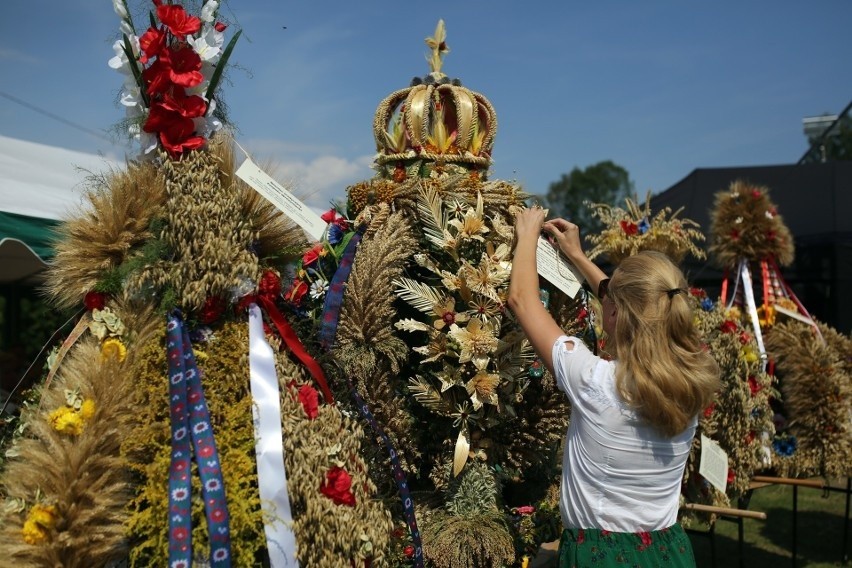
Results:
x,y
269,447
752,310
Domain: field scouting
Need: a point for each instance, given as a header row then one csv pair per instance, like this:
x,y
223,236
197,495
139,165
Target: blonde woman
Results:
x,y
632,418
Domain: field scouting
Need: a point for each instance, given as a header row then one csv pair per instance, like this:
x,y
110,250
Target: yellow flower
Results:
x,y
66,421
766,315
749,355
113,348
87,410
40,520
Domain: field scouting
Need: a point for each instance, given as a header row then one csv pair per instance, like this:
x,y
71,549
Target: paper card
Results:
x,y
791,314
282,198
714,463
555,268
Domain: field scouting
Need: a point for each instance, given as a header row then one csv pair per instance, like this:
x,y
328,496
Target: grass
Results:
x,y
769,543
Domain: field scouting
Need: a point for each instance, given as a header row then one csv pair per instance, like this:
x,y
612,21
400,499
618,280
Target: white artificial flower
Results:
x,y
126,28
208,12
131,96
120,62
120,9
208,45
318,288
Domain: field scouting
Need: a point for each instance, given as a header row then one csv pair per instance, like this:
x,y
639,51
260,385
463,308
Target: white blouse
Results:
x,y
618,473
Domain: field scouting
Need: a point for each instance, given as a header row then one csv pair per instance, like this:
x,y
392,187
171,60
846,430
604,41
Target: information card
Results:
x,y
555,268
282,198
714,463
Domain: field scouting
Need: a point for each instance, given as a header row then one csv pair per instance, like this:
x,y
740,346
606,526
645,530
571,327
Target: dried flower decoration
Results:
x,y
40,521
745,225
633,229
72,417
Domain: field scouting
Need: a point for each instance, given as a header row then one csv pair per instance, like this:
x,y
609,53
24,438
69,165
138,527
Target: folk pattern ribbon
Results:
x,y
398,476
334,296
191,430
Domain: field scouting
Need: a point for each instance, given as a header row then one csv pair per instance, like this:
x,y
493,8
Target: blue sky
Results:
x,y
660,87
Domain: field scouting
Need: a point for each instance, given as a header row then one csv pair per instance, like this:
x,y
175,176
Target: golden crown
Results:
x,y
435,119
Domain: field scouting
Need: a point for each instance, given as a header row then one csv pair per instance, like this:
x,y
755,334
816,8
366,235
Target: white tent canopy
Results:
x,y
39,185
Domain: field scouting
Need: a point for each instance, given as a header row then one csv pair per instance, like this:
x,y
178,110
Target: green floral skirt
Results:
x,y
579,548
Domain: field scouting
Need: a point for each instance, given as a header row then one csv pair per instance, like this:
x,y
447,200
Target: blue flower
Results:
x,y
785,446
707,304
335,234
644,225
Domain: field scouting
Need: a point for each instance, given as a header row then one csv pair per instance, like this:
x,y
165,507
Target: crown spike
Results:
x,y
438,44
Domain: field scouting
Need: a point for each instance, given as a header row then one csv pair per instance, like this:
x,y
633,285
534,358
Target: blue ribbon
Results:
x,y
192,434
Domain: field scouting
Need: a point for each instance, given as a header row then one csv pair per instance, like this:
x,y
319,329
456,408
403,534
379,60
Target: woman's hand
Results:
x,y
567,237
528,223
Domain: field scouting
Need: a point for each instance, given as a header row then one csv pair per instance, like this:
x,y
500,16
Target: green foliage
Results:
x,y
604,182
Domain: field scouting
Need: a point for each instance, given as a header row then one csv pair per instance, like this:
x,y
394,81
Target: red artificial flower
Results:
x,y
744,337
332,216
525,510
698,292
408,551
728,326
309,397
629,228
184,66
152,43
220,27
156,77
214,307
770,235
178,137
312,255
750,438
731,475
754,386
270,285
582,314
755,193
338,486
189,107
94,300
709,410
297,291
735,234
177,20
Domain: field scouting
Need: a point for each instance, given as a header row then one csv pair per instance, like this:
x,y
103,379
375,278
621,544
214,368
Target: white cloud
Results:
x,y
324,178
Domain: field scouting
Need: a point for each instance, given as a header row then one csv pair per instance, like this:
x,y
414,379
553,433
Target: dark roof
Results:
x,y
815,200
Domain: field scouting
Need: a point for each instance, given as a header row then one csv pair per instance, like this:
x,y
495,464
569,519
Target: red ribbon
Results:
x,y
724,294
292,340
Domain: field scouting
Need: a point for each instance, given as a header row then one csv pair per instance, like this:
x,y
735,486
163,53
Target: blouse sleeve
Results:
x,y
573,365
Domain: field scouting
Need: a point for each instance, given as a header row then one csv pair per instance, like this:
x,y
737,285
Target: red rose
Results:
x,y
309,398
270,285
296,292
94,300
177,20
312,255
212,310
409,551
338,487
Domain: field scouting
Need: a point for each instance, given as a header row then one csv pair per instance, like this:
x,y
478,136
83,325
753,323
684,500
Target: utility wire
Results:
x,y
49,114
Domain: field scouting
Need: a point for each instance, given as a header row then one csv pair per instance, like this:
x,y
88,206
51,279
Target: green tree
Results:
x,y
604,182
